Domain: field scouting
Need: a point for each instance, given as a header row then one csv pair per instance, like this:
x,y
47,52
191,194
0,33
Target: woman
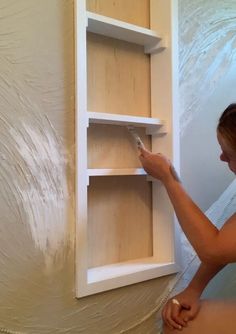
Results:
x,y
215,248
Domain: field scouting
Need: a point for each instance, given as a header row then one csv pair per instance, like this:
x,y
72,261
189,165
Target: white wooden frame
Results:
x,y
164,103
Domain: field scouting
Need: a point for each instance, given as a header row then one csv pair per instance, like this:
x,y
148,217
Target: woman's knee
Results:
x,y
213,317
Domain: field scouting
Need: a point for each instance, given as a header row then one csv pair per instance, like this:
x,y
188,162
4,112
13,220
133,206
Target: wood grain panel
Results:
x,y
120,219
111,146
118,77
132,11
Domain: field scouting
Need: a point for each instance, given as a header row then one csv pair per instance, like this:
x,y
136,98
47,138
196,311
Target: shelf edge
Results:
x,y
115,171
118,119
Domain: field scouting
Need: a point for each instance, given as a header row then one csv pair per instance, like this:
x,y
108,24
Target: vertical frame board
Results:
x,y
164,104
81,147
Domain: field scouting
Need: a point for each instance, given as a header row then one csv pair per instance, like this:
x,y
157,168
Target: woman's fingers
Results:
x,y
143,152
169,321
171,316
165,318
175,315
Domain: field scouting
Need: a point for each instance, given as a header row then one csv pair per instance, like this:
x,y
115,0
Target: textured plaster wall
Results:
x,y
36,185
37,173
207,85
207,79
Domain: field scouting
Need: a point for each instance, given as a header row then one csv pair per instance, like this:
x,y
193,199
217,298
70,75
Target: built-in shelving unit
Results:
x,y
125,231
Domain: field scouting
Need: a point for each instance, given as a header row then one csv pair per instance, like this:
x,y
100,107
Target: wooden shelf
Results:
x,y
110,27
127,268
116,172
152,125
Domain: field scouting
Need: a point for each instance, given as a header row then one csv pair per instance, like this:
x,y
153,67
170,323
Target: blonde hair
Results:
x,y
227,125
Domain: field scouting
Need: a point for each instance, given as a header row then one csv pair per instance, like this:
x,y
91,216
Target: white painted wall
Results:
x,y
37,174
207,85
207,66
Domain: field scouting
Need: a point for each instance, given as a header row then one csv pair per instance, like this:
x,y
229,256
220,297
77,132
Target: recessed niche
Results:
x,y
119,219
111,146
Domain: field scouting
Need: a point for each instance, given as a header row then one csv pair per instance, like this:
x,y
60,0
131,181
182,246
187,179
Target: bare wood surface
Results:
x,y
136,11
120,219
118,77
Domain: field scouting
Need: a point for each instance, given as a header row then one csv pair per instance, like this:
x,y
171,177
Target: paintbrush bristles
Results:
x,y
136,137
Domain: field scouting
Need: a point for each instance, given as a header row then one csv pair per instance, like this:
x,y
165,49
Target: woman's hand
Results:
x,y
156,165
176,316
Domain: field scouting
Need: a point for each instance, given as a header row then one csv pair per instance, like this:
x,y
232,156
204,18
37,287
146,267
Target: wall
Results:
x,y
37,184
37,159
207,81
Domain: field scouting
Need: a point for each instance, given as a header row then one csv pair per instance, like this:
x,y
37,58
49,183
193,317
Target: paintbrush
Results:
x,y
136,137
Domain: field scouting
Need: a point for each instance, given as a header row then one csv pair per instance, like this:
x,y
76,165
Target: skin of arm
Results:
x,y
212,246
177,316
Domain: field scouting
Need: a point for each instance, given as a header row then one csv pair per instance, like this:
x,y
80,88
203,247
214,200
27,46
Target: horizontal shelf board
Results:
x,y
112,271
116,171
110,27
97,284
116,119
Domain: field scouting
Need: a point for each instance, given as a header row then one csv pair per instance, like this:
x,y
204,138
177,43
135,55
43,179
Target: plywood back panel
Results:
x,y
112,146
119,219
132,11
118,77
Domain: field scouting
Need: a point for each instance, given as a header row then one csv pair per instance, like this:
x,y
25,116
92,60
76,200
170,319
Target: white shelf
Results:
x,y
116,172
127,268
152,125
110,27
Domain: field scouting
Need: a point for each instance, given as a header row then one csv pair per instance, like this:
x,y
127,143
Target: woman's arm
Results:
x,y
212,246
189,298
203,276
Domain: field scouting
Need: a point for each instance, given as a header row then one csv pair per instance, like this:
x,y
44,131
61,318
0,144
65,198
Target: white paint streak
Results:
x,y
33,168
207,51
45,190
